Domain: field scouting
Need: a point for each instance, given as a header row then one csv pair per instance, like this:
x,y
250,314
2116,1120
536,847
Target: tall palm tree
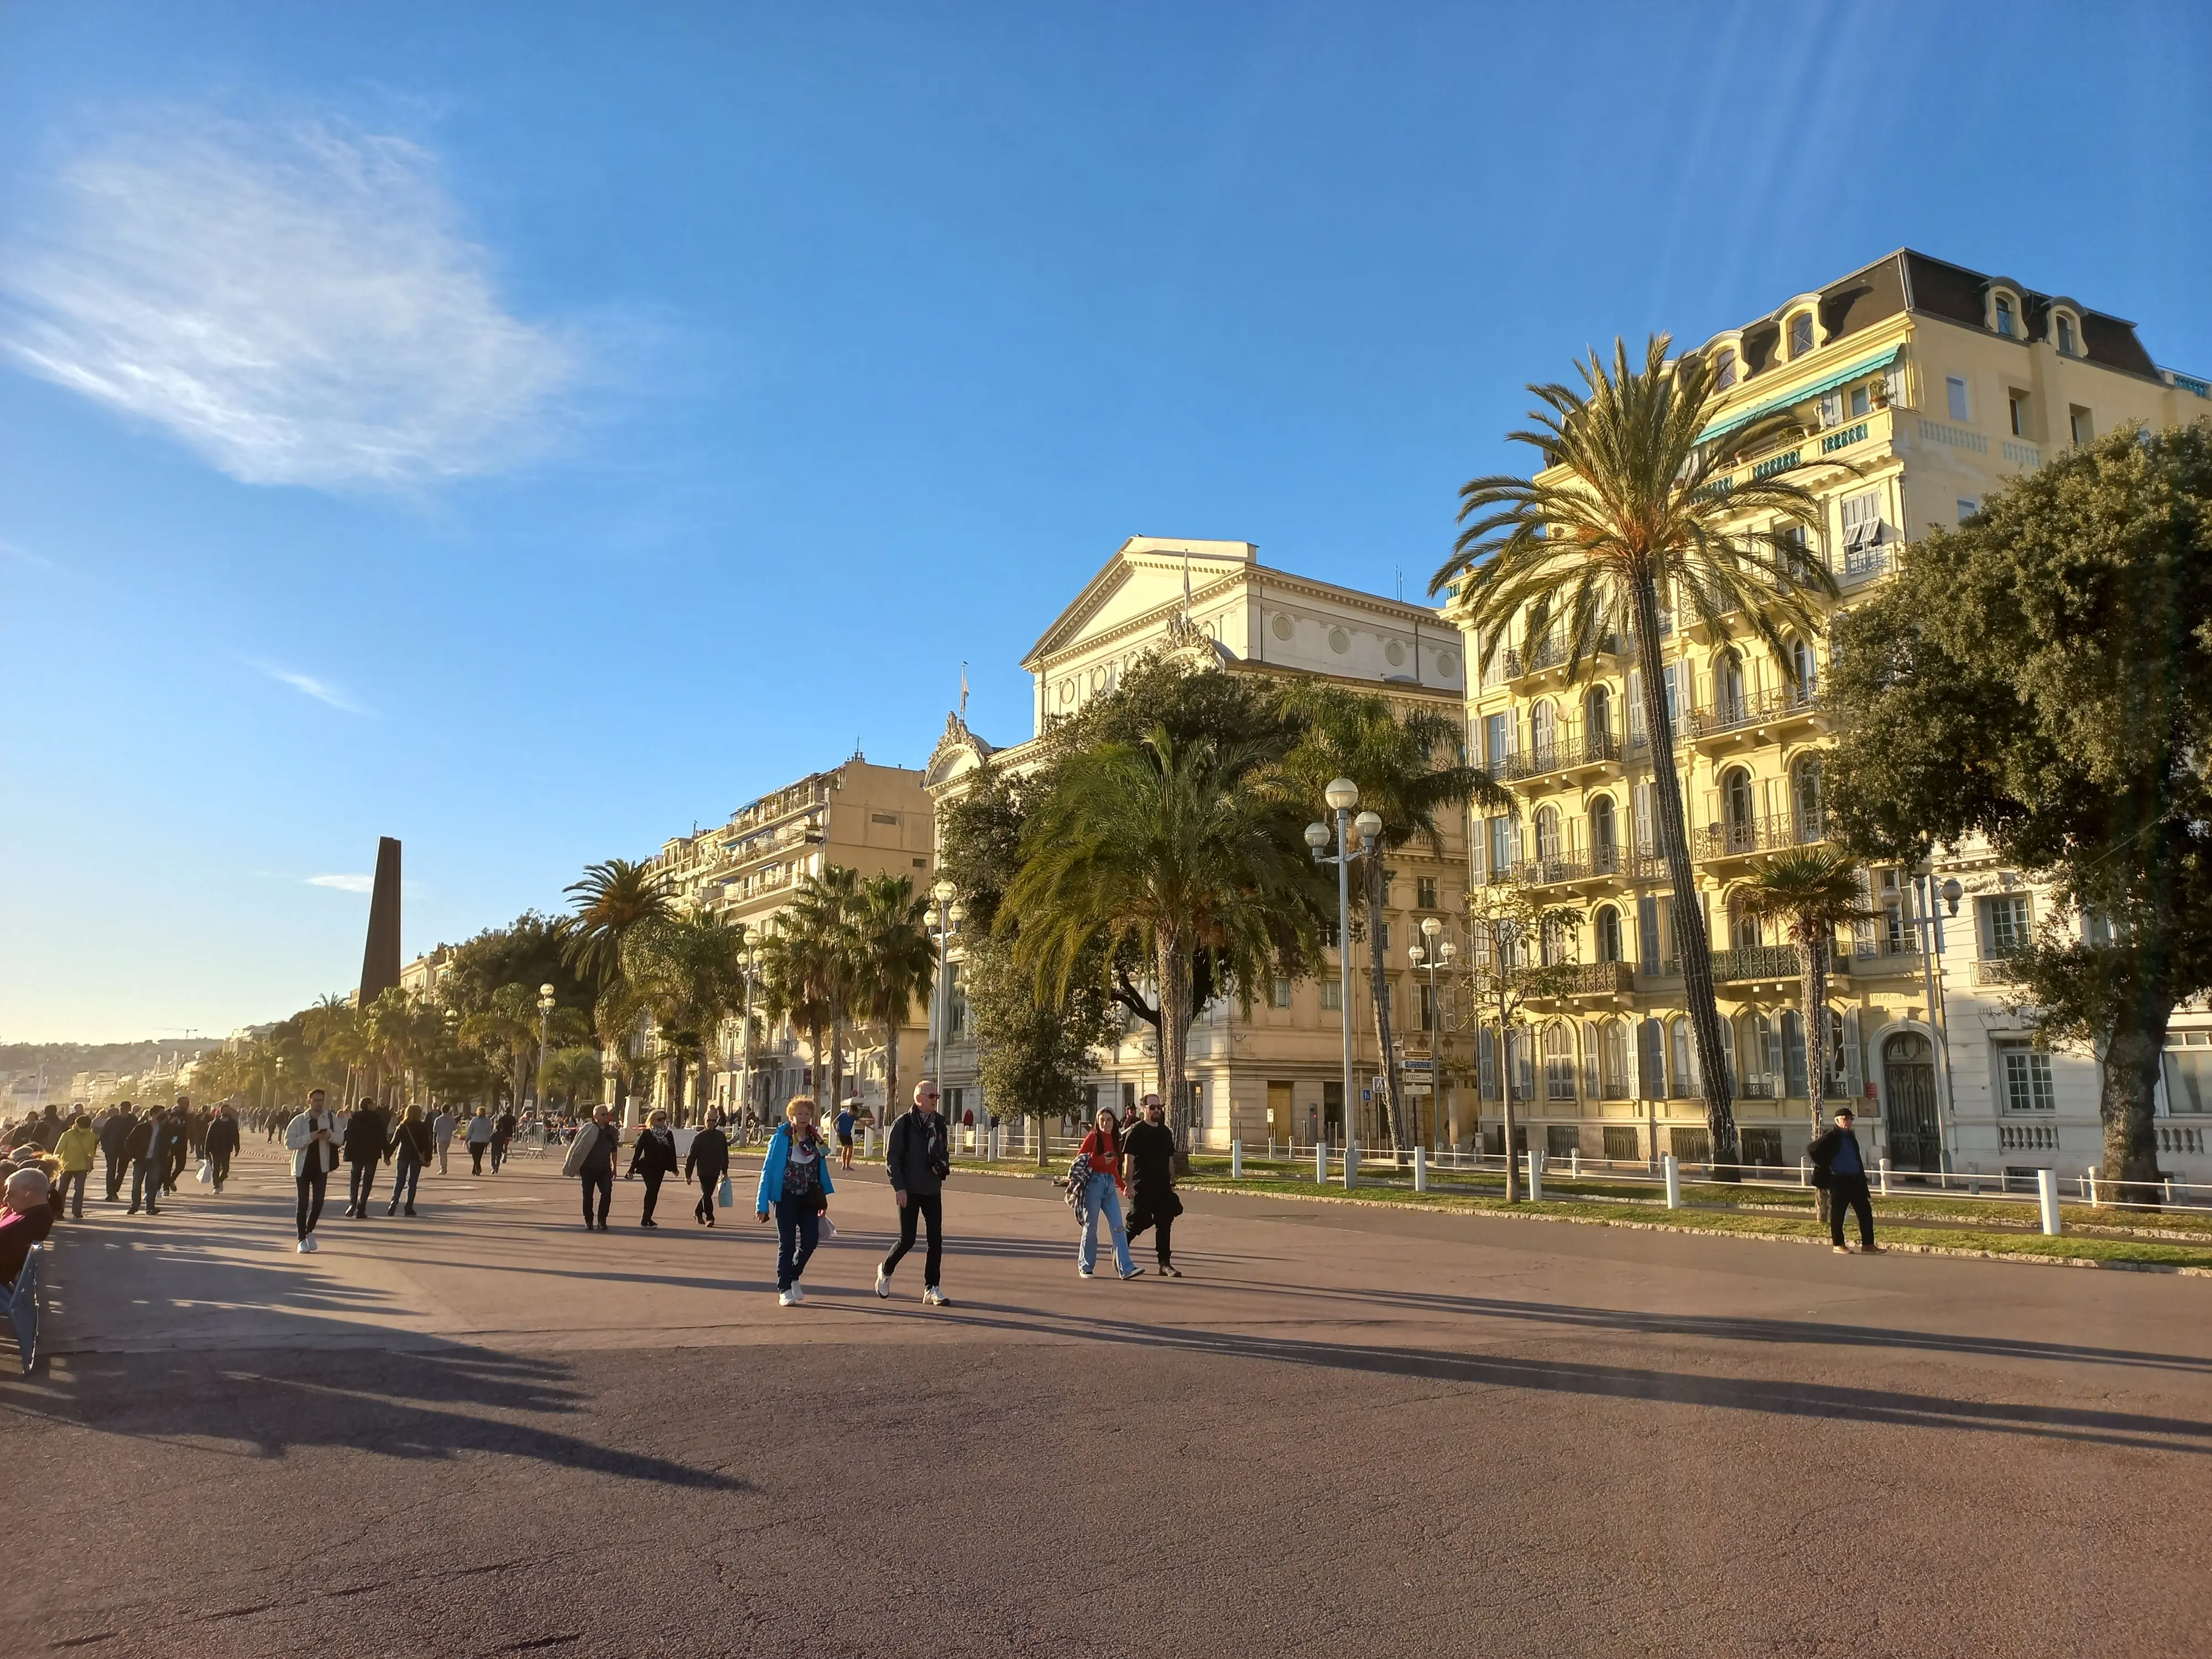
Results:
x,y
613,898
1633,503
895,961
823,908
1810,891
798,980
1408,768
1164,847
686,975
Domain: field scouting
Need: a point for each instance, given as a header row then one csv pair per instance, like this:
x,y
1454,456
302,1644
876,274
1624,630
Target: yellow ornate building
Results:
x,y
1917,387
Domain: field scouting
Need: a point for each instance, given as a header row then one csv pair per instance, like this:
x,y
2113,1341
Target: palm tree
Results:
x,y
1811,891
611,899
1407,768
895,960
686,975
823,909
1633,503
506,1032
797,975
1164,849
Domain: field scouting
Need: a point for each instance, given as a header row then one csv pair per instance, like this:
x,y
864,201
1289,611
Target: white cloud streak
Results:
x,y
295,301
320,690
344,884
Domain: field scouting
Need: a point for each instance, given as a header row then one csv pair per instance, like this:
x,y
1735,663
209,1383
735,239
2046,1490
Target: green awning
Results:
x,y
1796,395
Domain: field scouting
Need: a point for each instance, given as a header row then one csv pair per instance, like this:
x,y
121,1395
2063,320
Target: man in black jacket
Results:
x,y
113,1133
918,1157
368,1133
178,1142
222,1142
1839,1166
148,1148
1149,1150
708,1161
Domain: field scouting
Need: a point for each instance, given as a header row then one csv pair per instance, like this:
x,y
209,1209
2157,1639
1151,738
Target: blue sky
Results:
x,y
529,430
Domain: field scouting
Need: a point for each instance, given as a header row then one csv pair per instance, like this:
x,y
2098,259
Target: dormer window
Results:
x,y
1724,371
1800,334
2066,334
2004,317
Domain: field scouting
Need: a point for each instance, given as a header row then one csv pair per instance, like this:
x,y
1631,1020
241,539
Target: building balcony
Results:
x,y
1995,971
1754,717
1753,961
1748,836
1569,752
1878,958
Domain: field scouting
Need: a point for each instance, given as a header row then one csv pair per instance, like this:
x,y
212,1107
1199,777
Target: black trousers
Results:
x,y
117,1163
312,1187
359,1185
1849,1189
221,1162
1160,1221
476,1156
920,1207
601,1181
708,1180
652,1180
61,1192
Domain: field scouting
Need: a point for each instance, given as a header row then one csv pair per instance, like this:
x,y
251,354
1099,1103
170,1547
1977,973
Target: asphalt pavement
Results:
x,y
485,1431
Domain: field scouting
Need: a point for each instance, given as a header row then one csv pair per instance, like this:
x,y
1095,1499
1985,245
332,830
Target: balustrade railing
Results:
x,y
1773,833
1779,703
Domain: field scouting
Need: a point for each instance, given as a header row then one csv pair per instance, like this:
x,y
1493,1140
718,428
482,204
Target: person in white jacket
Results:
x,y
313,1140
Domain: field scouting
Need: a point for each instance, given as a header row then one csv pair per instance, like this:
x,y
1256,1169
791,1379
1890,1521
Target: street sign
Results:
x,y
1378,1084
1416,1065
1416,1085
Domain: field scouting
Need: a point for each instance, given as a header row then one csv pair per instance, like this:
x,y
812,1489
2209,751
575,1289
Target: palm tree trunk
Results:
x,y
1371,877
1691,948
890,1066
1174,968
1814,943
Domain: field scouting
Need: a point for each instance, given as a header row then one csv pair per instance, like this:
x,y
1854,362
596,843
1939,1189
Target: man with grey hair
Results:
x,y
25,1218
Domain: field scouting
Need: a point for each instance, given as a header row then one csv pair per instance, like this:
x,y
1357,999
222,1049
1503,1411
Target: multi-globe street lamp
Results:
x,y
544,1027
1436,955
1342,795
750,962
946,914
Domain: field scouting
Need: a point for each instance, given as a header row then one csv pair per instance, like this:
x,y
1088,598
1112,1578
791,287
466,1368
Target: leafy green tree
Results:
x,y
505,1031
824,911
1519,952
573,1075
1408,768
2042,677
1810,892
1629,506
893,961
1163,849
687,976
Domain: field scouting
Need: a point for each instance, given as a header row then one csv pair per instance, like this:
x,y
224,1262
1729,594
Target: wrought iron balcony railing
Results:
x,y
1772,834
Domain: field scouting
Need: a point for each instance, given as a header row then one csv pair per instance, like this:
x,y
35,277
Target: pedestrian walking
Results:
x,y
592,1160
75,1147
1148,1153
653,1157
1839,1166
441,1131
219,1144
366,1134
708,1161
502,1131
410,1150
480,1131
114,1131
312,1140
795,1184
846,1115
148,1152
176,1143
918,1157
1101,1155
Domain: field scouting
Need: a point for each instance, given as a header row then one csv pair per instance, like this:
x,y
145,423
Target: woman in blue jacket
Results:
x,y
795,1183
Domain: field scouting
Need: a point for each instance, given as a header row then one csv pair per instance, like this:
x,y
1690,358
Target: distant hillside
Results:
x,y
64,1060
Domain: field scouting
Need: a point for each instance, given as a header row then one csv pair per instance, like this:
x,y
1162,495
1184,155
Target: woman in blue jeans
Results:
x,y
1102,1195
795,1183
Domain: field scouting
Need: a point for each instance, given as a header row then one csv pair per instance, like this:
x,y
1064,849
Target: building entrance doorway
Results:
x,y
1916,1137
1279,1113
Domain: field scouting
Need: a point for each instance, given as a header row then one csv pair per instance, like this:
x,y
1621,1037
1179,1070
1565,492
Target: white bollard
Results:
x,y
2046,1200
1236,1160
1804,1172
2094,1201
1420,1169
1885,1177
1321,1163
1574,1164
1673,1171
1535,1175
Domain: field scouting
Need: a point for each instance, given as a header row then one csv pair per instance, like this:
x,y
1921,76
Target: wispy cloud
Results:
x,y
320,690
344,884
296,301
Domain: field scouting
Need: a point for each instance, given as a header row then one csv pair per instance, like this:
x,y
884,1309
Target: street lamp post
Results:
x,y
544,1027
750,963
1342,795
1436,955
1930,924
941,918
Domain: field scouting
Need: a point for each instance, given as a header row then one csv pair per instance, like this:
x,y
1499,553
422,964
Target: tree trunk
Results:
x,y
890,1070
2128,1081
1378,983
1691,948
1505,1083
1814,942
1174,968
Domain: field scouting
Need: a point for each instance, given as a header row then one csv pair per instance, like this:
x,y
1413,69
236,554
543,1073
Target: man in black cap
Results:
x,y
1839,1166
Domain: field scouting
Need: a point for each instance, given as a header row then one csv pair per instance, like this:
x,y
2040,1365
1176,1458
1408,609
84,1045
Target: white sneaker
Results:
x,y
303,1247
1134,1272
934,1296
308,1244
882,1283
797,1291
784,1298
1083,1273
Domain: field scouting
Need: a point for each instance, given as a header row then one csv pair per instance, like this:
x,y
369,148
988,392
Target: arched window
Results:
x,y
1543,733
1800,334
1553,942
1736,797
1743,927
1559,1061
1755,1034
1604,840
1727,686
1613,1058
1805,800
1607,926
2066,334
1793,1054
1724,371
1804,671
1597,716
2004,316
1547,834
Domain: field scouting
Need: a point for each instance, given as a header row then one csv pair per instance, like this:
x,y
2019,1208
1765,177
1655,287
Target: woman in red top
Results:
x,y
1101,1195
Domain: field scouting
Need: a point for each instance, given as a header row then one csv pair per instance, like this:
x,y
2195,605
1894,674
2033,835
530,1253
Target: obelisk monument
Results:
x,y
380,961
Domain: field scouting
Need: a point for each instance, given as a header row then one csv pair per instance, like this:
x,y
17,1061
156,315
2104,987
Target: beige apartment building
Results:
x,y
1276,1072
1917,387
874,820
